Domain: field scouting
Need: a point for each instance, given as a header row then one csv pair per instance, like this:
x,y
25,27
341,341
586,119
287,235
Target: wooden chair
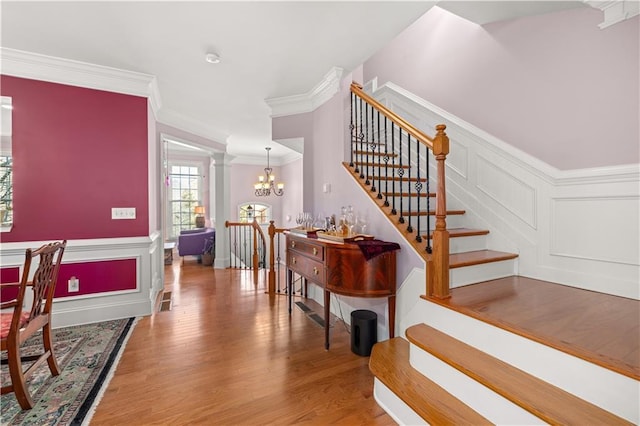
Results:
x,y
18,325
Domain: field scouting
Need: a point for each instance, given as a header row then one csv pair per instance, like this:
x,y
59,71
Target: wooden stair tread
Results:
x,y
431,213
389,362
396,178
370,164
382,154
407,194
550,403
463,232
469,258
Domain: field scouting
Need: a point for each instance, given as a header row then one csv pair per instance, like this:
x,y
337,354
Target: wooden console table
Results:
x,y
341,268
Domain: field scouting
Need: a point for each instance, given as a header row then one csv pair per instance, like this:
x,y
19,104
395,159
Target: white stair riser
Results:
x,y
463,244
394,406
477,273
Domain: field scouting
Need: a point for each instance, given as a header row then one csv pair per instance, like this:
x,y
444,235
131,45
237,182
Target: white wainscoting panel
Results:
x,y
96,307
508,191
607,222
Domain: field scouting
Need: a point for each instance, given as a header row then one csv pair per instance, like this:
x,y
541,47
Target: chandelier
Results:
x,y
266,184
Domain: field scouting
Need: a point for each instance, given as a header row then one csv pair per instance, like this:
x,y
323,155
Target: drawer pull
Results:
x,y
293,244
315,251
315,270
293,260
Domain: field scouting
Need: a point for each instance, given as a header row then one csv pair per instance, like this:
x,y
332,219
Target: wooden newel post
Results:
x,y
438,272
272,270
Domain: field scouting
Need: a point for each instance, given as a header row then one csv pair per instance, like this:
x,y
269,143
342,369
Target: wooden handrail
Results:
x,y
437,259
419,135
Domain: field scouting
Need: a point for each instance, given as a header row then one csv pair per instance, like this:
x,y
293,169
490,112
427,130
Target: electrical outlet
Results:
x,y
123,213
74,285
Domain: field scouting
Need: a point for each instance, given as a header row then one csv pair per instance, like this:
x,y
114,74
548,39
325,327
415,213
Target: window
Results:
x,y
248,211
184,194
6,190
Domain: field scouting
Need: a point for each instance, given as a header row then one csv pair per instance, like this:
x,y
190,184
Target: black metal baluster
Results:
x,y
366,161
379,160
352,127
386,163
360,136
393,167
418,192
429,249
409,228
400,172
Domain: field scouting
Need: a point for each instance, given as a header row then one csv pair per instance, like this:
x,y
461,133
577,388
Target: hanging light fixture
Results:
x,y
266,184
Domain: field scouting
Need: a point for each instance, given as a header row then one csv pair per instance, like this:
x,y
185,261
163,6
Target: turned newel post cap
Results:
x,y
441,141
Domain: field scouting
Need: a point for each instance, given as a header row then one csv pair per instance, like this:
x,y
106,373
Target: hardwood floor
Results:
x,y
226,353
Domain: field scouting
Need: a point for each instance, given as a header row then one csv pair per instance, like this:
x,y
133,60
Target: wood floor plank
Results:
x,y
229,354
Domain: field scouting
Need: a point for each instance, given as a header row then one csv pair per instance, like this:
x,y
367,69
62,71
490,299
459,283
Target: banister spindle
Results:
x,y
393,169
409,228
352,127
360,135
379,160
386,163
418,187
400,172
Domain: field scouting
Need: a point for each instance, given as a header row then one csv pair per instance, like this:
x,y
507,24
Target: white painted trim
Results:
x,y
615,10
24,64
94,307
307,102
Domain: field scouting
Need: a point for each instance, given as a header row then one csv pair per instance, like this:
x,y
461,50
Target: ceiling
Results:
x,y
268,49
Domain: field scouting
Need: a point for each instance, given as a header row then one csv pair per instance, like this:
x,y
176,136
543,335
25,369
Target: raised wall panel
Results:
x,y
504,188
596,228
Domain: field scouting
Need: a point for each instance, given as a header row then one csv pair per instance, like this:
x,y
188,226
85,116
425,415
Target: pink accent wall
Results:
x,y
9,275
555,85
97,277
77,153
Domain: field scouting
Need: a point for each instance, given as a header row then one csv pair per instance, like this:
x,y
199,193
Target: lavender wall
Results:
x,y
77,153
554,85
299,126
292,175
243,177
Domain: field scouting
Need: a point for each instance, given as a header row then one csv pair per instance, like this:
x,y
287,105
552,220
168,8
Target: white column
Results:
x,y
220,206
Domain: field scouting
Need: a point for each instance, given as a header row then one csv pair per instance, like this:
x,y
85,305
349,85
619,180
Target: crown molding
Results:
x,y
19,63
186,124
307,102
615,10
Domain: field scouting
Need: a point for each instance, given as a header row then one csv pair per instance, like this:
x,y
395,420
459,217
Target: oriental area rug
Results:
x,y
87,356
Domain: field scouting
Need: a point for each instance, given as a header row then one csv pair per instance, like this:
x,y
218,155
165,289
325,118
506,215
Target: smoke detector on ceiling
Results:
x,y
212,58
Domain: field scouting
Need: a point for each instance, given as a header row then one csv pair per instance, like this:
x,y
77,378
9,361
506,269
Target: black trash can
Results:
x,y
364,331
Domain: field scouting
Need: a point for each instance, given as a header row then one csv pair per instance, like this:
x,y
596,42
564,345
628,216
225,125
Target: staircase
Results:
x,y
457,369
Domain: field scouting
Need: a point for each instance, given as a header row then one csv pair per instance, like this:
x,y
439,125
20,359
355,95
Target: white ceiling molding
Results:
x,y
184,123
23,64
615,10
307,102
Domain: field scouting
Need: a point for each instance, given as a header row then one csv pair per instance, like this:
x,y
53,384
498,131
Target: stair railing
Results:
x,y
387,150
247,247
